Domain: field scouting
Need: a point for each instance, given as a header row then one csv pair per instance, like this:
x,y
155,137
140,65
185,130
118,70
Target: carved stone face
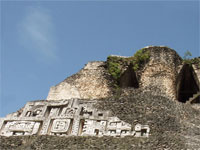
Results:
x,y
60,125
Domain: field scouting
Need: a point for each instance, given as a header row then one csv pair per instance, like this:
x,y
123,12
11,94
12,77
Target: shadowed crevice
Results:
x,y
129,79
187,85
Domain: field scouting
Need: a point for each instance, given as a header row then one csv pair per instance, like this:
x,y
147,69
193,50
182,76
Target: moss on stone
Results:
x,y
116,64
140,57
114,67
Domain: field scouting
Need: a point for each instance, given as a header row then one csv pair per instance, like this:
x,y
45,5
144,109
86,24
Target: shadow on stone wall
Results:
x,y
129,79
187,84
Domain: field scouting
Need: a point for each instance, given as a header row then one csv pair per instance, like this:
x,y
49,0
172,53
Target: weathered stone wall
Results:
x,y
91,82
196,68
161,71
174,121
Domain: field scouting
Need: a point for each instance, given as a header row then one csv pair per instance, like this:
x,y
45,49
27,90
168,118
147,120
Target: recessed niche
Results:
x,y
187,85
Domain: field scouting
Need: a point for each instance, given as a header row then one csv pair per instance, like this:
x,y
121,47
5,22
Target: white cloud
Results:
x,y
37,32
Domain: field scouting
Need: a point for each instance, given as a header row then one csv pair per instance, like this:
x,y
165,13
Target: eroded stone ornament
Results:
x,y
67,118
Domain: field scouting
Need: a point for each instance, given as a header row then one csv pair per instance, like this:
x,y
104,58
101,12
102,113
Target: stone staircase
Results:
x,y
193,97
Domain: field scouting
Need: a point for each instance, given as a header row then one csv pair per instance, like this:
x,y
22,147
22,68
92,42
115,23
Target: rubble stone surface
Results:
x,y
88,111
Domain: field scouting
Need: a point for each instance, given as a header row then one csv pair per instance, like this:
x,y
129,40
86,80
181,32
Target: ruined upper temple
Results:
x,y
164,69
70,105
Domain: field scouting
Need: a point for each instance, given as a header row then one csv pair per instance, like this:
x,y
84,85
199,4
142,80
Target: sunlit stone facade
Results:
x,y
67,118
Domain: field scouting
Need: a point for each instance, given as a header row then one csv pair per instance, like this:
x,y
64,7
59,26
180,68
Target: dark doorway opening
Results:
x,y
129,79
187,85
143,132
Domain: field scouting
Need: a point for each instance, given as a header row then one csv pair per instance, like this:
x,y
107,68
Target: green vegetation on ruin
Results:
x,y
116,64
140,57
188,60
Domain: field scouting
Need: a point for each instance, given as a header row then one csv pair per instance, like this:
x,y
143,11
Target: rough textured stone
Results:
x,y
162,71
91,82
173,125
88,104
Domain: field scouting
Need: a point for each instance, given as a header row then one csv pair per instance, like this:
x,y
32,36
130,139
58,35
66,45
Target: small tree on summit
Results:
x,y
187,55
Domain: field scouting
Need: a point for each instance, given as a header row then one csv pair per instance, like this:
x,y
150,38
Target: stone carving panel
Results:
x,y
93,127
116,127
142,130
34,111
60,125
75,127
79,118
68,112
86,111
20,128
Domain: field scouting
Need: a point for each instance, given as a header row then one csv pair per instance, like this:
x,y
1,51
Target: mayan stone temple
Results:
x,y
70,108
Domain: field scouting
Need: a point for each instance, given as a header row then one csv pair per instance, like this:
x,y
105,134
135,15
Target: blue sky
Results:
x,y
42,43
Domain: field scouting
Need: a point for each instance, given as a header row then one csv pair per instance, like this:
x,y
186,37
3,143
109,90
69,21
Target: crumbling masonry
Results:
x,y
69,109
